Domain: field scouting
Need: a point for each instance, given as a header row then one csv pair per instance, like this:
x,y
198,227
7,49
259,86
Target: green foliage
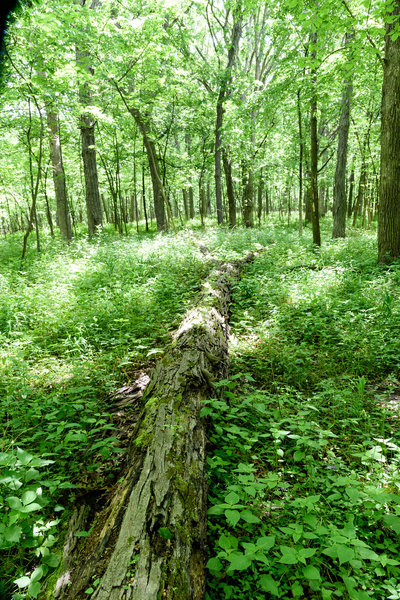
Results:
x,y
304,472
304,496
73,323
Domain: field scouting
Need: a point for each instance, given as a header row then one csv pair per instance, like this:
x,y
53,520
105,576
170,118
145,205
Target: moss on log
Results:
x,y
149,543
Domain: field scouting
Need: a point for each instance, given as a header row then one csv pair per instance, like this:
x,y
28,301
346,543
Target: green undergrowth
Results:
x,y
76,322
305,438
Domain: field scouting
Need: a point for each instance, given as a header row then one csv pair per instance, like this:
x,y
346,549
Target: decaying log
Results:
x,y
149,543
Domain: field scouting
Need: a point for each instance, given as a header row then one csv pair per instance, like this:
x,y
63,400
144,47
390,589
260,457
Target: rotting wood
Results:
x,y
149,543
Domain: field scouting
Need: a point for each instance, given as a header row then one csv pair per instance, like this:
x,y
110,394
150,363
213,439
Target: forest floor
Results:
x,y
304,436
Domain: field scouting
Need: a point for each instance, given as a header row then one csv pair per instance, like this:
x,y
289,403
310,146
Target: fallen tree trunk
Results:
x,y
149,543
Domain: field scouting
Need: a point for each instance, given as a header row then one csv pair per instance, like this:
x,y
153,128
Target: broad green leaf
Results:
x,y
311,572
298,455
14,502
24,457
232,498
31,508
239,561
393,522
52,560
13,533
249,517
367,554
34,589
232,516
268,584
214,564
28,497
266,542
297,590
38,573
22,582
289,556
227,542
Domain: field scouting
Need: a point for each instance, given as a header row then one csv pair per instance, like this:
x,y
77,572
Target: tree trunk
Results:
x,y
301,153
314,150
351,188
389,203
149,542
248,194
63,216
229,189
339,190
217,158
159,195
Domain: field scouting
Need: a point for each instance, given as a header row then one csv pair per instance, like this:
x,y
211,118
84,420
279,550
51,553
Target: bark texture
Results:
x,y
222,96
149,542
339,190
314,150
63,215
389,206
229,189
159,195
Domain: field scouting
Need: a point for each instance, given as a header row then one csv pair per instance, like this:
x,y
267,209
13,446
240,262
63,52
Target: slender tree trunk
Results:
x,y
191,202
218,155
339,190
351,189
301,152
88,141
60,189
314,149
260,193
223,93
229,189
159,195
389,197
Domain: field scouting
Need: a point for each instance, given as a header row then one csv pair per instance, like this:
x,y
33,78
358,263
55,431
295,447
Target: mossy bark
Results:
x,y
149,543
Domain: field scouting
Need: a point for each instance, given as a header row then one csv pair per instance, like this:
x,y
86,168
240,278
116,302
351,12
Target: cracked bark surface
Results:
x,y
149,543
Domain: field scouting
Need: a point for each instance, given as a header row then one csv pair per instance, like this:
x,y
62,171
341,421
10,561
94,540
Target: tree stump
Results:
x,y
149,543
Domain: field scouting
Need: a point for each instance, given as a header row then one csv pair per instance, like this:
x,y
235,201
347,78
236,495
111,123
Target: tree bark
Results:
x,y
389,204
229,189
339,190
223,93
314,149
149,542
248,198
301,153
159,195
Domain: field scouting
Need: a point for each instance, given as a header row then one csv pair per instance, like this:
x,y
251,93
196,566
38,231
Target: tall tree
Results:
x,y
339,190
88,142
389,204
60,189
314,145
225,80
